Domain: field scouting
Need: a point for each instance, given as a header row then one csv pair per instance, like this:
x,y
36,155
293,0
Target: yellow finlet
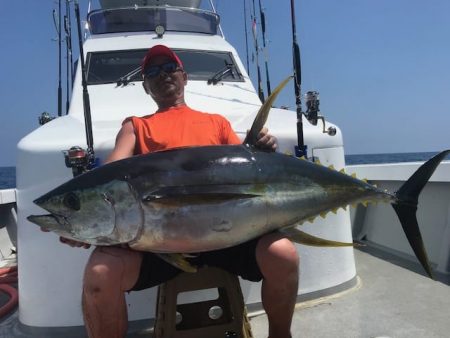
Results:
x,y
179,261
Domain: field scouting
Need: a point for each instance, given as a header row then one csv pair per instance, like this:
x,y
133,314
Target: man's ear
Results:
x,y
145,87
185,77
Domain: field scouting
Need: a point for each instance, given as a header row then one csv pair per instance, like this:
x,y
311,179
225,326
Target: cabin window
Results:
x,y
119,20
117,66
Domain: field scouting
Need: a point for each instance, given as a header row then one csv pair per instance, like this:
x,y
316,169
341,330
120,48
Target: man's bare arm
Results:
x,y
125,143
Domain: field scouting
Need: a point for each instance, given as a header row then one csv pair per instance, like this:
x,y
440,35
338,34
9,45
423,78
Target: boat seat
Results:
x,y
215,309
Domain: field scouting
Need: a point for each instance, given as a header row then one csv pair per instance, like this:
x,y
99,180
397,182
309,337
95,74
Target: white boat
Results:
x,y
119,35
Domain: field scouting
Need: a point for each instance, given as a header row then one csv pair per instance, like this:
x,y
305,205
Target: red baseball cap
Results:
x,y
160,50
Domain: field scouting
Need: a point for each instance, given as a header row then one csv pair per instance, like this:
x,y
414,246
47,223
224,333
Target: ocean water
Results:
x,y
389,158
8,174
7,177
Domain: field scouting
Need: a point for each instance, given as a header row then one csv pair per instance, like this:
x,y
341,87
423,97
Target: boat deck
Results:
x,y
390,300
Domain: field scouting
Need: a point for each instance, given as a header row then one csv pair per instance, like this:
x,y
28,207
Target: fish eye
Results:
x,y
72,201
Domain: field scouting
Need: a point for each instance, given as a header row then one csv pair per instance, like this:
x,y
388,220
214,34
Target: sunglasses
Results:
x,y
154,71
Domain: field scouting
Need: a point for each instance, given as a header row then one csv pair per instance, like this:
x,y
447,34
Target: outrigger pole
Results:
x,y
300,150
86,103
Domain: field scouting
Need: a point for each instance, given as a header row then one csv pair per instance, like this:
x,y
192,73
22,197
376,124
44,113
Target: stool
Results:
x,y
223,316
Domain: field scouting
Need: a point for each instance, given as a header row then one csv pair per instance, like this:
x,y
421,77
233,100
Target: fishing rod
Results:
x,y
76,158
300,149
246,40
69,61
58,30
263,29
255,38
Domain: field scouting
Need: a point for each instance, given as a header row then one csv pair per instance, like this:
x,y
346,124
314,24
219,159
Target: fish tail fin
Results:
x,y
406,207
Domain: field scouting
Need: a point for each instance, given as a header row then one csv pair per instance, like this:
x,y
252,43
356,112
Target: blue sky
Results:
x,y
382,67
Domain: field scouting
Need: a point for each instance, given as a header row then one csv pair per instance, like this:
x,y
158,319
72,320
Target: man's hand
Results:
x,y
266,141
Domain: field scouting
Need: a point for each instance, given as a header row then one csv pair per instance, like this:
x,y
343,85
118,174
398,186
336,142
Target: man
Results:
x,y
112,271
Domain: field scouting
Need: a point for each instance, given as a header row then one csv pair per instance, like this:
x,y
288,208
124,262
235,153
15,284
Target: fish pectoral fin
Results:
x,y
178,260
181,195
301,237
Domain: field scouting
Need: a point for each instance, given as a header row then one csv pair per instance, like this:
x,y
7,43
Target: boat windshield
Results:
x,y
142,19
114,66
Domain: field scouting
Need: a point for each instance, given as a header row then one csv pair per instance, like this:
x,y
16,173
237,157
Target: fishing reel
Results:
x,y
79,159
45,118
312,103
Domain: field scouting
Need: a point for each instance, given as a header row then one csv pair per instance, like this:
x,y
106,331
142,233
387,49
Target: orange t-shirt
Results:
x,y
180,127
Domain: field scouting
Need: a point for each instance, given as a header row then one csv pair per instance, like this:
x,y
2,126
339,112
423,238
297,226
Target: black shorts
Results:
x,y
239,260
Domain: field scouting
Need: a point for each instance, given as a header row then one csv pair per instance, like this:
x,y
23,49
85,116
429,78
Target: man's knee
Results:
x,y
107,270
275,253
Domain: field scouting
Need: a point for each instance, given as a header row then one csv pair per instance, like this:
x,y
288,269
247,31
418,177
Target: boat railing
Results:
x,y
8,226
105,4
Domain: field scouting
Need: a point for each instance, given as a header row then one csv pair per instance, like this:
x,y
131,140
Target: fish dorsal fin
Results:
x,y
263,113
301,237
182,195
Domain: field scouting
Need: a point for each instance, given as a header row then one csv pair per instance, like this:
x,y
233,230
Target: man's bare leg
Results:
x,y
278,261
109,273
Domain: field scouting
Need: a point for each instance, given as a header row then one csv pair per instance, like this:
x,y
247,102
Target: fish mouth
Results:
x,y
49,222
